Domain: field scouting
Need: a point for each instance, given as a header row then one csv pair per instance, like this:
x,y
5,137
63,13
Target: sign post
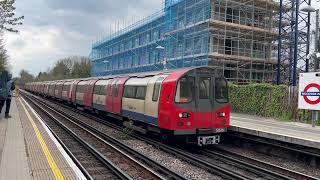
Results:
x,y
309,94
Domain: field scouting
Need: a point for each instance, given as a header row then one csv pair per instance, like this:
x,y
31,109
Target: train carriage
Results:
x,y
58,90
46,88
88,94
114,94
73,91
191,103
80,91
66,88
99,94
52,86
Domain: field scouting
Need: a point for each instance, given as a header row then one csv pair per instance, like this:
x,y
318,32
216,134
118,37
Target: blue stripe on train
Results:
x,y
99,107
79,102
140,117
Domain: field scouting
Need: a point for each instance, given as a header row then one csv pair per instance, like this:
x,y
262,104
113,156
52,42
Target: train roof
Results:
x,y
178,72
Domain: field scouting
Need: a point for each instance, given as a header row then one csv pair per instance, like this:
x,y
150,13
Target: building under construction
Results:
x,y
237,36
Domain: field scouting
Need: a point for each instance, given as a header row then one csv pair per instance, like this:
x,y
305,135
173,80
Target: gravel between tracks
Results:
x,y
171,162
289,164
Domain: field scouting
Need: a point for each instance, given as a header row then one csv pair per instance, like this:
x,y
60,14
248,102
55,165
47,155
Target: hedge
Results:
x,y
266,100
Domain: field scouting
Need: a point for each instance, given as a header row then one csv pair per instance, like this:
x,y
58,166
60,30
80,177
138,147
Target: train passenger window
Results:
x,y
221,90
141,92
103,90
65,87
80,89
156,89
130,91
96,89
204,88
184,91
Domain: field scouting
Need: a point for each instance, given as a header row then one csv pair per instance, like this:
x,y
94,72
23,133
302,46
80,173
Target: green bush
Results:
x,y
265,100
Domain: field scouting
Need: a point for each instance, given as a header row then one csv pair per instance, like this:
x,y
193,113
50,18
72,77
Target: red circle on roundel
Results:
x,y
312,85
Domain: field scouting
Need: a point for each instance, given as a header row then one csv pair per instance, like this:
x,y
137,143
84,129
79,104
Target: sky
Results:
x,y
54,29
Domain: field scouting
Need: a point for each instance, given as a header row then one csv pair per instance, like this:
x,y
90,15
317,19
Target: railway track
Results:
x,y
203,158
253,163
113,162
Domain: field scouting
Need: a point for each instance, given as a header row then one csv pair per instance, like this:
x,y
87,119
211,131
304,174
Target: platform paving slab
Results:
x,y
291,132
39,166
14,161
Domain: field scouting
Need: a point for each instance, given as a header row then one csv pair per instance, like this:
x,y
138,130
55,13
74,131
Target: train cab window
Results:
x,y
204,88
184,91
141,92
221,90
156,89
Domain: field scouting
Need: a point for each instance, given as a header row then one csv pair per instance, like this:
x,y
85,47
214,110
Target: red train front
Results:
x,y
195,104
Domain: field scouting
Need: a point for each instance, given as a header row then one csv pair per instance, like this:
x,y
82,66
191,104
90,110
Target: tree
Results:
x,y
81,68
60,71
3,56
25,77
8,17
67,68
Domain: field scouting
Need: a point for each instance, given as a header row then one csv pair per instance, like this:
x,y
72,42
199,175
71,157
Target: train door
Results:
x,y
151,107
73,91
109,103
117,95
89,93
204,103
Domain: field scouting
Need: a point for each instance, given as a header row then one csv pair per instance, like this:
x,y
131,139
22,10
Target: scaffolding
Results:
x,y
243,37
294,40
237,36
133,49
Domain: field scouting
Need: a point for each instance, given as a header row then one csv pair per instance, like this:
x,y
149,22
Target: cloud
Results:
x,y
56,29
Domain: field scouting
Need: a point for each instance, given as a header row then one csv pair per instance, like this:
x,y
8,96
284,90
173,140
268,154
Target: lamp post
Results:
x,y
106,65
315,55
310,9
164,62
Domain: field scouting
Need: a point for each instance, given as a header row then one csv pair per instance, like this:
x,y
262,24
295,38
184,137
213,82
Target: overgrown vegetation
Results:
x,y
267,100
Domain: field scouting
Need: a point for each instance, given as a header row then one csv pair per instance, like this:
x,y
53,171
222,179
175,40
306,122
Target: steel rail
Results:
x,y
268,168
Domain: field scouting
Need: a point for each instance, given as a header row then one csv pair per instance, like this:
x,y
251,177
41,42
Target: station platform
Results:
x,y
290,132
28,150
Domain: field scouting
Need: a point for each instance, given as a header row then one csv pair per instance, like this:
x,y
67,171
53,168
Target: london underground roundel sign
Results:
x,y
309,91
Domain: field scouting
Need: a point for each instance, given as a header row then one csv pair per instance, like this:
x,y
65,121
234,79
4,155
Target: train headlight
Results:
x,y
184,115
221,114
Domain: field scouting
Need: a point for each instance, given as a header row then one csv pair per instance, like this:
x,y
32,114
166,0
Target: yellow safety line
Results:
x,y
54,168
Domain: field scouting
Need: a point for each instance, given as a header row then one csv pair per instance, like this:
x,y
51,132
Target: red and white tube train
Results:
x,y
190,103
